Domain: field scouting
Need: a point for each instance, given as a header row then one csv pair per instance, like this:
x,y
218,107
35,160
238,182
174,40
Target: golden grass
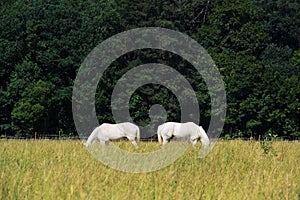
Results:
x,y
47,169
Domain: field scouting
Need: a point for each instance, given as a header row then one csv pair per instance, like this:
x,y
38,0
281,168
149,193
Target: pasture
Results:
x,y
46,169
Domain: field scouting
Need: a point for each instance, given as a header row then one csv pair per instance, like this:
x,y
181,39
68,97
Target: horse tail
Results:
x,y
204,138
92,137
138,135
159,134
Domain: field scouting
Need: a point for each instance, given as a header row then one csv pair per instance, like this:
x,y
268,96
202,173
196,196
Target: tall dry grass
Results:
x,y
46,169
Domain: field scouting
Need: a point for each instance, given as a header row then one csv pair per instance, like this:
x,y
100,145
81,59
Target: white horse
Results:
x,y
106,132
181,130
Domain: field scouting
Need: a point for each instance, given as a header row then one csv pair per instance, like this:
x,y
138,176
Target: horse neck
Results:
x,y
203,136
92,137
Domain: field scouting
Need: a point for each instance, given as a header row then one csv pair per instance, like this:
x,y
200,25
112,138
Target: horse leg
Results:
x,y
102,142
132,140
165,140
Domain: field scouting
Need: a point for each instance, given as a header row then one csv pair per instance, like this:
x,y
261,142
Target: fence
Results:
x,y
154,138
59,137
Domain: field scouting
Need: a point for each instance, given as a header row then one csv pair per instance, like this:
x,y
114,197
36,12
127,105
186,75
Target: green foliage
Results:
x,y
281,21
255,72
5,123
30,112
255,45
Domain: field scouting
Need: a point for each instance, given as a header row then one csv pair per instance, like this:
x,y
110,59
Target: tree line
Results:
x,y
255,45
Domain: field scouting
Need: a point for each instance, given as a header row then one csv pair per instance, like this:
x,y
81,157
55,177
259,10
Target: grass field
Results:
x,y
45,169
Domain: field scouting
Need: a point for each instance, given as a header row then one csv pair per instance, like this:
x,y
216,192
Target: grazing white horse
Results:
x,y
181,130
106,132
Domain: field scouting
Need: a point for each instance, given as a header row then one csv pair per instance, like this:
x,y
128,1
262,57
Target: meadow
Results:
x,y
64,169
